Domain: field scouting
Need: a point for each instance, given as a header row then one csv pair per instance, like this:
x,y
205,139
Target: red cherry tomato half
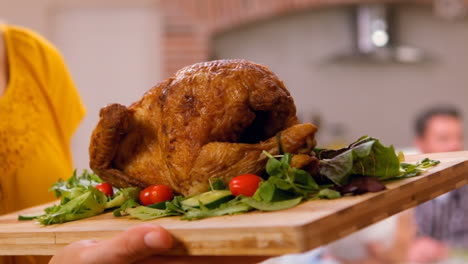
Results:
x,y
246,184
106,188
155,194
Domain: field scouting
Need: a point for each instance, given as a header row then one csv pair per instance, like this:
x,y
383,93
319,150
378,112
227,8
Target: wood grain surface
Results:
x,y
298,229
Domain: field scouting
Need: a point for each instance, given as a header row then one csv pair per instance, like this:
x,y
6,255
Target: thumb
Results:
x,y
132,245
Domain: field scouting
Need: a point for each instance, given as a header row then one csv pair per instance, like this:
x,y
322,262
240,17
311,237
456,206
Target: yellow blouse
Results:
x,y
39,112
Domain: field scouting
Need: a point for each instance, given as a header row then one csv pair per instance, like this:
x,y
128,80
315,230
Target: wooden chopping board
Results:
x,y
298,229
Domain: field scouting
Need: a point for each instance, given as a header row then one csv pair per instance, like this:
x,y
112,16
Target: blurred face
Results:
x,y
443,134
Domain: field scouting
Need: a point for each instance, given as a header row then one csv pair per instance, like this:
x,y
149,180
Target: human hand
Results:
x,y
140,245
426,250
132,246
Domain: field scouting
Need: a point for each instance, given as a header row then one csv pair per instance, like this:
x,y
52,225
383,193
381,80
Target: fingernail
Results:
x,y
154,240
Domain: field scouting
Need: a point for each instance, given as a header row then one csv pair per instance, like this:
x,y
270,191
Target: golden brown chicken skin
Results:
x,y
211,119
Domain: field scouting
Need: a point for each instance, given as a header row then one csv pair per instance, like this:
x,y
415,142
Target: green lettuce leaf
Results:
x,y
147,213
411,170
217,184
122,210
271,206
122,196
88,204
235,206
367,157
291,181
80,199
328,194
75,186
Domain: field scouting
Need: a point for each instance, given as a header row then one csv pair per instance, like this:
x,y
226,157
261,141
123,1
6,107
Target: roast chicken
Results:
x,y
210,120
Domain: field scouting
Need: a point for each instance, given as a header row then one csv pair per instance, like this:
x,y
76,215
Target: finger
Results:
x,y
70,251
83,244
132,245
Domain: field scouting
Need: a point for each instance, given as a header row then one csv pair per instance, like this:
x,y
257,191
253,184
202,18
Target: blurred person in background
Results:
x,y
442,223
435,229
40,110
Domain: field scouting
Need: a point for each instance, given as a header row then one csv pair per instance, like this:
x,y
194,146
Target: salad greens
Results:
x,y
148,213
361,167
356,169
411,170
90,203
271,206
75,186
328,194
234,206
291,180
123,196
362,184
366,157
80,199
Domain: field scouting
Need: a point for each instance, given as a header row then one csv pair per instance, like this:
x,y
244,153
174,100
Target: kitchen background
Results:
x,y
116,50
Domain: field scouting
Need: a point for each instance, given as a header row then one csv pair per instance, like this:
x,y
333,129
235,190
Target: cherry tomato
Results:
x,y
155,194
245,184
106,188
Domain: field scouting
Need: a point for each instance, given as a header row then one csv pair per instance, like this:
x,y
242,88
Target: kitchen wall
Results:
x,y
37,14
355,98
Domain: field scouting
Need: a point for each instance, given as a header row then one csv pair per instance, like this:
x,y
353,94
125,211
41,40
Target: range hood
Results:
x,y
374,38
